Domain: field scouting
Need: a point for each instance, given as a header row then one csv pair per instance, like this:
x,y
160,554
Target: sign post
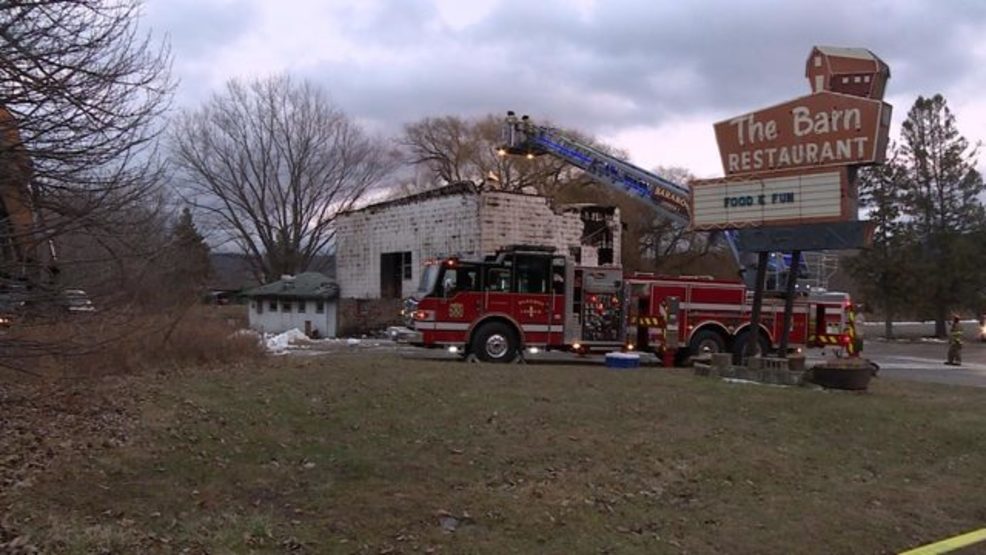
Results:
x,y
752,347
792,282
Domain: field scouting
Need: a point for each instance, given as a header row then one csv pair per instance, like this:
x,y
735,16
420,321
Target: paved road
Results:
x,y
920,360
925,361
915,330
905,360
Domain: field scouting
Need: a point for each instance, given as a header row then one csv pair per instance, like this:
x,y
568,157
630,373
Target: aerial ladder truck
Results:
x,y
530,298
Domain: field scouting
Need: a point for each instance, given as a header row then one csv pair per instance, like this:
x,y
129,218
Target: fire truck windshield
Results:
x,y
429,277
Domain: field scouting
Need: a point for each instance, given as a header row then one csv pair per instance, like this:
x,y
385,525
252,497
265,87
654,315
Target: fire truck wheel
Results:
x,y
740,346
707,341
495,342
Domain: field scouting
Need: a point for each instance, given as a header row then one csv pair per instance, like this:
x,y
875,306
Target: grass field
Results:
x,y
378,454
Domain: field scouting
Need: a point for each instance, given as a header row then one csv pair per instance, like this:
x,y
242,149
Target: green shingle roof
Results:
x,y
308,285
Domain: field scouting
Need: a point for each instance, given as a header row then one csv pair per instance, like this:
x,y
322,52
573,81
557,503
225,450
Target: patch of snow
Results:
x,y
326,341
352,342
280,342
751,382
737,380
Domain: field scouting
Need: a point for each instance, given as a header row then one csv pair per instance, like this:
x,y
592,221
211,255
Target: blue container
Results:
x,y
622,360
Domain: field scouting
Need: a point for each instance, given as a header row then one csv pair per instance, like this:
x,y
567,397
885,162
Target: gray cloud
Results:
x,y
627,63
397,26
196,29
742,54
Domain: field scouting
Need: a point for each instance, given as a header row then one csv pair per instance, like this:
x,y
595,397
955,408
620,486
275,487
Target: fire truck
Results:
x,y
530,298
527,298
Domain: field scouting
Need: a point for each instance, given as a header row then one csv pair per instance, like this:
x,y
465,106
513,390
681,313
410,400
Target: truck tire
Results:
x,y
495,342
741,342
707,341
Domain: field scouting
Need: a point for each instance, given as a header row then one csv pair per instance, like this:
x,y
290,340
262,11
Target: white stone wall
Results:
x,y
512,219
265,320
429,228
465,224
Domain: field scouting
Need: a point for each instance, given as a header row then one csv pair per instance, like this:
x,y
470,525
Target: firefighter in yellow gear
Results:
x,y
858,322
955,343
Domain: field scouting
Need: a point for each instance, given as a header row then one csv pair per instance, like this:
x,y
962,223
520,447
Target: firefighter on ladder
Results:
x,y
955,343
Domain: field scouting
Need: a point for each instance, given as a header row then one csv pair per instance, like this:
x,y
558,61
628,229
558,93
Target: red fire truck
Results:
x,y
529,298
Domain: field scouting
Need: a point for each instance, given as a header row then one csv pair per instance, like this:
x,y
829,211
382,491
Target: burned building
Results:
x,y
380,249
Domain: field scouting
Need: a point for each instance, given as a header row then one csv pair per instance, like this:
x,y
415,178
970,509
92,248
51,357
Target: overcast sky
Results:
x,y
648,76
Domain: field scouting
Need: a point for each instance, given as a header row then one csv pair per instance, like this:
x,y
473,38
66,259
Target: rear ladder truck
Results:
x,y
522,137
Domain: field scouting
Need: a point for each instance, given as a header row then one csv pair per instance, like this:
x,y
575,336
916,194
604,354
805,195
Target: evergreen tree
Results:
x,y
940,191
190,266
885,271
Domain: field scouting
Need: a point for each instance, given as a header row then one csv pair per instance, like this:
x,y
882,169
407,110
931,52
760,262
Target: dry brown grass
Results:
x,y
128,341
77,382
374,454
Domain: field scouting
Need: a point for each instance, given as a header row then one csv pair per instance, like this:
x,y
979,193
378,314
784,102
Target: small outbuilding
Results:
x,y
855,71
307,301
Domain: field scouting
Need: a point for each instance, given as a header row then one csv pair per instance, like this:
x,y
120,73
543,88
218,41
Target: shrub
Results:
x,y
129,341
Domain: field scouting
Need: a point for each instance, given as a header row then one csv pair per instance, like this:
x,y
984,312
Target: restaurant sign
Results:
x,y
824,129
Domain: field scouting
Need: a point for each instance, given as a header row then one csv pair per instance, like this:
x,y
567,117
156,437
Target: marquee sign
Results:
x,y
824,129
747,202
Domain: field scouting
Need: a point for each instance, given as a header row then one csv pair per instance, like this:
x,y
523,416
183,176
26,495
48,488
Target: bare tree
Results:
x,y
85,88
273,162
667,242
82,89
454,149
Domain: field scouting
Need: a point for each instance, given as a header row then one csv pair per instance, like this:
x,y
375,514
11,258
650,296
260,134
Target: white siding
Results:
x,y
268,321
